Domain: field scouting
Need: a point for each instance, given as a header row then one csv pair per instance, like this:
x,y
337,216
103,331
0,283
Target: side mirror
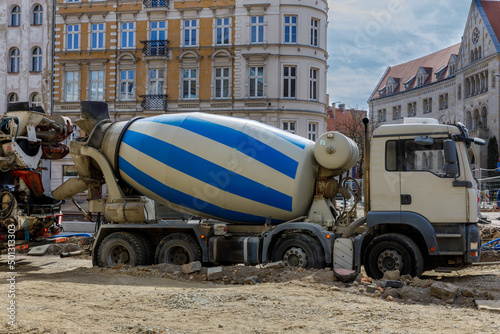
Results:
x,y
450,158
479,141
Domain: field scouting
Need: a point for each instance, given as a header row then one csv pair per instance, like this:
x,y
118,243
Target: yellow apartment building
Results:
x,y
262,60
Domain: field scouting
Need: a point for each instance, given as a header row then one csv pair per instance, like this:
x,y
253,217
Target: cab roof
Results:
x,y
415,129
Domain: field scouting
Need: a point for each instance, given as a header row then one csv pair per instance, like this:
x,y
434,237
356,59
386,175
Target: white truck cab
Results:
x,y
423,199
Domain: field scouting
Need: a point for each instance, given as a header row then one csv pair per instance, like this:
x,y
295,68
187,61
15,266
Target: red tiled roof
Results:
x,y
431,64
344,120
492,10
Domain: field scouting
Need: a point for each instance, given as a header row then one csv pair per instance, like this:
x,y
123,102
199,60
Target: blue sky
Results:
x,y
367,36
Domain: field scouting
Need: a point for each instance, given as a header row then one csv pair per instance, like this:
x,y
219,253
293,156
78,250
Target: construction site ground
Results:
x,y
68,295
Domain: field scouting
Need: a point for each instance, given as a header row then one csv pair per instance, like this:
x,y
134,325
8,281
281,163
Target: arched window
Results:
x,y
14,58
12,98
37,16
479,53
468,120
35,100
471,56
425,161
431,161
440,160
36,60
15,16
475,119
484,118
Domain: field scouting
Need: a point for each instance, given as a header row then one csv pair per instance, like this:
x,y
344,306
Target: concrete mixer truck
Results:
x,y
27,136
257,194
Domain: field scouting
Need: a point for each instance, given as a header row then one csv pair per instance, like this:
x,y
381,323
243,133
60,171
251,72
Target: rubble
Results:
x,y
445,291
191,267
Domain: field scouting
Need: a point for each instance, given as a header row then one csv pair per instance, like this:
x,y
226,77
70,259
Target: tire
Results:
x,y
393,252
299,250
150,250
121,248
179,249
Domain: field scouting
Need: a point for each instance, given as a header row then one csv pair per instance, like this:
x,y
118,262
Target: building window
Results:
x,y
452,69
71,86
257,29
412,109
12,98
158,31
128,35
36,100
36,60
290,29
73,0
314,32
459,92
289,126
96,85
312,131
222,82
382,115
222,31
256,77
97,36
443,101
427,105
127,85
73,37
289,81
156,80
313,84
15,16
37,18
190,32
14,59
396,112
189,83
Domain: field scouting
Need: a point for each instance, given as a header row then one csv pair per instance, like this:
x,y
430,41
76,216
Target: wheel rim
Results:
x,y
389,260
119,255
178,255
295,257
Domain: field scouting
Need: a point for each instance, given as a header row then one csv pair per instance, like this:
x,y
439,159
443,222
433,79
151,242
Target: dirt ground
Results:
x,y
67,295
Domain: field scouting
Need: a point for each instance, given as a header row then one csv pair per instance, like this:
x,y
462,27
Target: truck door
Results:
x,y
425,188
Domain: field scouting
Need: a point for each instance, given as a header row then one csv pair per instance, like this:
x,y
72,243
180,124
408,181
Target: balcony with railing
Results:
x,y
154,102
155,48
156,3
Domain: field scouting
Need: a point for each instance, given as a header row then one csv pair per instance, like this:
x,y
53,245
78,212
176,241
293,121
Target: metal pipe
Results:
x,y
366,167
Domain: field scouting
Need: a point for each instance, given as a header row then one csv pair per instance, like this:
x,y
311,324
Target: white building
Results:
x,y
457,84
26,52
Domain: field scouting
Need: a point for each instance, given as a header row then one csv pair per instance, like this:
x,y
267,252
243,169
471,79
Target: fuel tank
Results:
x,y
220,167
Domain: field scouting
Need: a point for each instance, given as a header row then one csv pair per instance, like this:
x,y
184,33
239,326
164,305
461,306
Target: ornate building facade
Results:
x,y
457,84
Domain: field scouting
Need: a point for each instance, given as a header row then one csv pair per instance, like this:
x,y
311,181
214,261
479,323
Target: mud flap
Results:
x,y
343,253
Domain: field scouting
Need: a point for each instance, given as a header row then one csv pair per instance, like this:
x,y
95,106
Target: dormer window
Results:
x,y
423,75
452,65
409,82
391,85
382,91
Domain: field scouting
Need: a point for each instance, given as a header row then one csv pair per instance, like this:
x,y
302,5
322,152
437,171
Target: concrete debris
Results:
x,y
344,275
275,265
393,275
391,284
192,267
214,273
444,291
252,280
411,293
491,305
39,250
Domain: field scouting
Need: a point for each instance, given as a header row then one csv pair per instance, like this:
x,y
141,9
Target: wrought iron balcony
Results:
x,y
155,48
154,102
156,3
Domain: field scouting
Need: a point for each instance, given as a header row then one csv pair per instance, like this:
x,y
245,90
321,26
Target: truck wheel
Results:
x,y
393,252
150,250
299,250
178,248
121,248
